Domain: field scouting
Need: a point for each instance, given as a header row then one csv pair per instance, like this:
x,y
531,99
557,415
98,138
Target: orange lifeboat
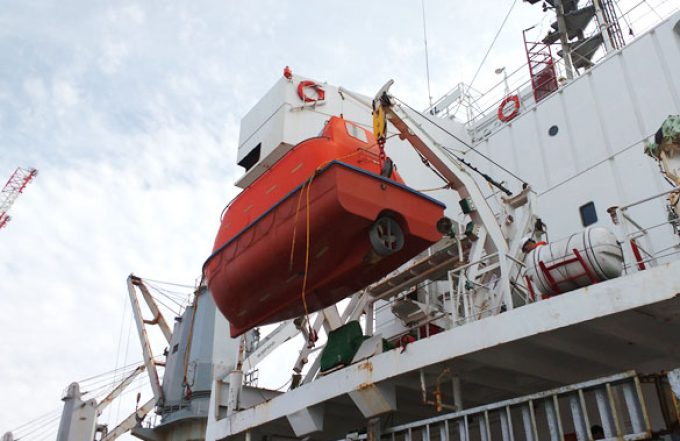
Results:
x,y
326,202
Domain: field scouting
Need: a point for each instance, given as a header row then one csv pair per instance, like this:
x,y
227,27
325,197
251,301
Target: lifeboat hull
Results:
x,y
256,277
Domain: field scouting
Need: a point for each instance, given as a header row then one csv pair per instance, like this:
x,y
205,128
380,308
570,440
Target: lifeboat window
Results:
x,y
356,132
588,214
251,158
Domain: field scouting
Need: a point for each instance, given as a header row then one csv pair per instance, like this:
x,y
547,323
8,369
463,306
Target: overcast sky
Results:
x,y
130,111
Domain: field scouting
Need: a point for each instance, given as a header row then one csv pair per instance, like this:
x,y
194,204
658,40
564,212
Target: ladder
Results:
x,y
612,19
614,406
554,284
541,68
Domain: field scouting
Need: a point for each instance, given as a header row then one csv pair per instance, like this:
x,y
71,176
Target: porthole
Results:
x,y
552,131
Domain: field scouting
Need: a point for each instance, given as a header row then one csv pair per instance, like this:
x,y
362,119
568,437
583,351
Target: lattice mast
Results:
x,y
12,189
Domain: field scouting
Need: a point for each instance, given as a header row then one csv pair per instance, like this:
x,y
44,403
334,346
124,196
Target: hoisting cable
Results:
x,y
428,165
306,188
488,51
486,177
312,337
470,147
427,56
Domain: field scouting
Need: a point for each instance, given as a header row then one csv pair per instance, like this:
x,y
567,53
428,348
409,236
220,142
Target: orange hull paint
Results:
x,y
250,273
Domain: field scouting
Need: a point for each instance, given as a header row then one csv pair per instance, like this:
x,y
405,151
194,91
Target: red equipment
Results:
x,y
505,117
12,189
318,226
541,68
320,93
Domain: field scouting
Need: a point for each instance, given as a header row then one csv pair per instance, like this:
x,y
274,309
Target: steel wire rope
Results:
x,y
32,426
488,51
51,417
40,427
631,32
131,389
180,295
174,311
105,389
105,383
427,56
108,373
111,375
112,379
590,167
177,295
38,420
169,292
48,433
165,296
181,285
470,147
653,9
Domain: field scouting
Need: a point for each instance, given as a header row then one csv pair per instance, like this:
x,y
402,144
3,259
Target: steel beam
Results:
x,y
158,317
118,389
131,421
657,284
144,340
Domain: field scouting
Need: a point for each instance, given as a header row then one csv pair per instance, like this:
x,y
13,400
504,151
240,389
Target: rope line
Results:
x,y
470,147
306,188
488,51
427,56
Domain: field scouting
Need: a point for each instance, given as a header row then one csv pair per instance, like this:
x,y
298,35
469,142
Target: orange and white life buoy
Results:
x,y
320,93
505,117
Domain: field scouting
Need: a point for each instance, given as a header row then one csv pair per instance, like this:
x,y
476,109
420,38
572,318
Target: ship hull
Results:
x,y
344,203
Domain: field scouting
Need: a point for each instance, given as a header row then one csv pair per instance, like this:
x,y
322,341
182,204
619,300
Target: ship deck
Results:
x,y
629,323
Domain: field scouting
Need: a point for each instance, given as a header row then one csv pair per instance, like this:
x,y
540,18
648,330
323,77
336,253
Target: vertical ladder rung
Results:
x,y
484,430
444,431
506,424
553,418
529,420
463,429
604,409
618,428
633,399
578,417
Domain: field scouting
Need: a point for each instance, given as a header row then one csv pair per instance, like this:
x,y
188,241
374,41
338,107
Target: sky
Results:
x,y
130,111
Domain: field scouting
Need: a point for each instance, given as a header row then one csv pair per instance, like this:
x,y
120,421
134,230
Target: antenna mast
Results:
x,y
12,189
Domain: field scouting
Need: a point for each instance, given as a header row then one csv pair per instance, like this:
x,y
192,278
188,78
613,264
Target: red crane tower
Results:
x,y
12,189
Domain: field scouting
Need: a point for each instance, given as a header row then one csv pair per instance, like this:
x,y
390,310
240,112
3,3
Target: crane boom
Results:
x,y
12,189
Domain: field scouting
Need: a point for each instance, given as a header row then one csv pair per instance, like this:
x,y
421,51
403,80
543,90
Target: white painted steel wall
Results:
x,y
602,117
281,119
